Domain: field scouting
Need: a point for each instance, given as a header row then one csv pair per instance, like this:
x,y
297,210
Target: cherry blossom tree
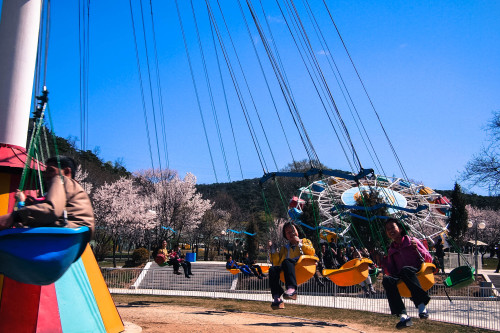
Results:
x,y
491,233
121,213
176,202
82,177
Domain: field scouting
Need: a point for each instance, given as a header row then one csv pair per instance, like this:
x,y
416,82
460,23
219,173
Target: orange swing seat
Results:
x,y
425,276
304,269
351,273
265,268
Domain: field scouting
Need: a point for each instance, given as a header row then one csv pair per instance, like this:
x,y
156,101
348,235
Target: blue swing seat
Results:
x,y
40,256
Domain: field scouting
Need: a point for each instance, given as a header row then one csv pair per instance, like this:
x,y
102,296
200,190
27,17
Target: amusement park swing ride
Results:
x,y
338,196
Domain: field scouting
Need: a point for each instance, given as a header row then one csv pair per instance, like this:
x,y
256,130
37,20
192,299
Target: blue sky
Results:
x,y
431,68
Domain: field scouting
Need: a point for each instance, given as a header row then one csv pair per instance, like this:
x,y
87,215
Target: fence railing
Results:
x,y
470,306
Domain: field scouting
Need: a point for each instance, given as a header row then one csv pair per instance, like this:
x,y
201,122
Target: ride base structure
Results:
x,y
78,301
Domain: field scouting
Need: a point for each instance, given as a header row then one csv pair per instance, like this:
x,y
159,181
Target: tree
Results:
x,y
458,215
120,213
491,233
176,202
82,177
483,170
310,217
214,221
258,225
369,232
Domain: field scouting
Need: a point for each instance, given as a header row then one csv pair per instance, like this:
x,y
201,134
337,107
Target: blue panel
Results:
x,y
77,305
294,213
40,255
318,186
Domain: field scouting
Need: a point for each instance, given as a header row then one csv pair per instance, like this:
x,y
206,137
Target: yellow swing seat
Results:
x,y
304,269
351,273
233,271
425,276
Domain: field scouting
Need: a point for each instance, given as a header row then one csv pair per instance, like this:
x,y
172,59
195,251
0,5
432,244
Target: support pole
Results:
x,y
19,27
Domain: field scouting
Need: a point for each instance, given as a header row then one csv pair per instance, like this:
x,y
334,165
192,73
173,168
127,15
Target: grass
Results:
x,y
375,320
109,263
490,263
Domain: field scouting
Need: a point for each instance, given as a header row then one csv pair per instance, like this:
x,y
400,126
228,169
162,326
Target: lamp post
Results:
x,y
476,225
223,236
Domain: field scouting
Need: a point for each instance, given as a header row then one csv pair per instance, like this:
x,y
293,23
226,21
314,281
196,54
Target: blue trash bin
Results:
x,y
191,256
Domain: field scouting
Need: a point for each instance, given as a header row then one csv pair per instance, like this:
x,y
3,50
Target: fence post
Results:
x,y
468,306
214,284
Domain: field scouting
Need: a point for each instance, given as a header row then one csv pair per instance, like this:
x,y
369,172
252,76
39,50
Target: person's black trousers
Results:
x,y
288,268
256,270
175,264
409,277
186,266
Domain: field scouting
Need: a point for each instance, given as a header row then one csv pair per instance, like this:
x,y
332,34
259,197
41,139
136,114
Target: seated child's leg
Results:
x,y
288,267
409,277
393,297
274,281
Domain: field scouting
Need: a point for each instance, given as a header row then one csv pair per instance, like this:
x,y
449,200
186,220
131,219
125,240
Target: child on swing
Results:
x,y
285,261
405,256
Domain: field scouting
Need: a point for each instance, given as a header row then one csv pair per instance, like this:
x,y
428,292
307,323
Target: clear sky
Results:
x,y
431,68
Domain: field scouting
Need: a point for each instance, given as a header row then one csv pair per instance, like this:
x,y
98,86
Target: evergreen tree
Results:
x,y
368,232
458,216
252,242
310,217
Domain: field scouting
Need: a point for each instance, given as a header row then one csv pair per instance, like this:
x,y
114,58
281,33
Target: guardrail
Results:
x,y
470,306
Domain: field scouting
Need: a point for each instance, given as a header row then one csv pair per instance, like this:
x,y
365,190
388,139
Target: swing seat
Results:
x,y
425,191
460,277
233,271
304,269
351,273
373,273
160,259
306,195
265,268
425,276
329,236
318,186
40,256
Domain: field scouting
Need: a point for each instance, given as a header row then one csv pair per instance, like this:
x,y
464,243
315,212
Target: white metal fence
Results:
x,y
471,306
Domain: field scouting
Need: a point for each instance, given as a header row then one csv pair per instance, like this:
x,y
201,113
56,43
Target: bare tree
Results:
x,y
483,170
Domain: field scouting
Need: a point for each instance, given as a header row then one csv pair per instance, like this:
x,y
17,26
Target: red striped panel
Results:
x,y
19,306
48,311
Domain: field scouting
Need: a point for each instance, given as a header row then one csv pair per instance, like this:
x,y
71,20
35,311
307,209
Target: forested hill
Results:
x,y
247,195
479,201
99,171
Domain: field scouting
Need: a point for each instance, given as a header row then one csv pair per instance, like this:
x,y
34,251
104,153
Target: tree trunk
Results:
x,y
114,253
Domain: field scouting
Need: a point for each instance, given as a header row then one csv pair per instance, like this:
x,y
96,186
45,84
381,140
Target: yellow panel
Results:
x,y
4,193
425,191
109,313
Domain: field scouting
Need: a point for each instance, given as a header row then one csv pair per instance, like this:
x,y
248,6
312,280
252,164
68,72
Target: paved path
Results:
x,y
211,280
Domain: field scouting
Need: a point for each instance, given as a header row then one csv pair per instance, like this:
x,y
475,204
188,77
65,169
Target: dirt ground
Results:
x,y
172,318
